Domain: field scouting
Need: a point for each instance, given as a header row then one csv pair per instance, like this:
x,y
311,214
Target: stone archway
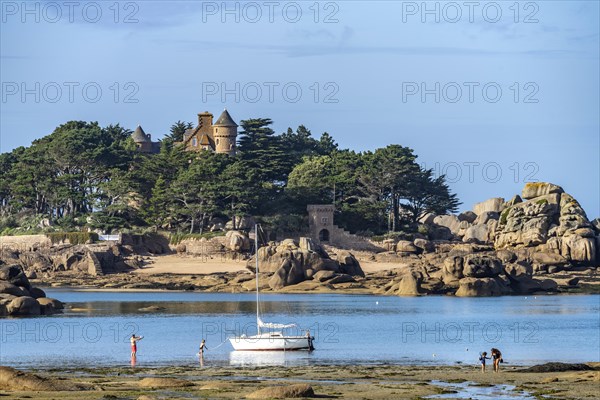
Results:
x,y
324,235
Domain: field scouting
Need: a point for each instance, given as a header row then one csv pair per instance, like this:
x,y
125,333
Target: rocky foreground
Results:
x,y
579,381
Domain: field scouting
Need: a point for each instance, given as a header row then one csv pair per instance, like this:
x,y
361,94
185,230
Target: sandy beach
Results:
x,y
189,265
347,382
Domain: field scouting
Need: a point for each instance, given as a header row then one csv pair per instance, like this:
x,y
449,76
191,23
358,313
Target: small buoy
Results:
x,y
377,303
433,354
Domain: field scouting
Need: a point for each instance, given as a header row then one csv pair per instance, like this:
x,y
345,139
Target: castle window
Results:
x,y
217,141
194,142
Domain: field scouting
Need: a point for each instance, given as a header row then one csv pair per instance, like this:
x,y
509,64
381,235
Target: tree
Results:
x,y
7,173
159,207
424,194
326,144
177,130
240,191
385,174
198,189
262,152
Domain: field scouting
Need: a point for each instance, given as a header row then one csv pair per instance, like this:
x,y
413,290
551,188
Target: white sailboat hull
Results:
x,y
271,342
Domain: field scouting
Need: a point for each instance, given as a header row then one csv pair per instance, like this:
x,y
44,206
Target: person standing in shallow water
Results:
x,y
482,357
497,357
202,347
133,340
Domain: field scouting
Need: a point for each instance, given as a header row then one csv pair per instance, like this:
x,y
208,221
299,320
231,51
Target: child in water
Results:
x,y
482,357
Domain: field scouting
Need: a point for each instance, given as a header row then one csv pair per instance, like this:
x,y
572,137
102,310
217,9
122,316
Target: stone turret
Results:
x,y
225,134
144,142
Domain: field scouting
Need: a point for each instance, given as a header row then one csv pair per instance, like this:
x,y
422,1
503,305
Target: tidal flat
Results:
x,y
343,382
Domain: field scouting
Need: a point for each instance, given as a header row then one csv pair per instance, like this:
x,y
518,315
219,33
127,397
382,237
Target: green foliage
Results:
x,y
73,237
542,201
83,175
285,224
177,130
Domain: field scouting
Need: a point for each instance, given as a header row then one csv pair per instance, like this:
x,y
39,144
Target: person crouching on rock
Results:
x,y
133,340
482,357
497,357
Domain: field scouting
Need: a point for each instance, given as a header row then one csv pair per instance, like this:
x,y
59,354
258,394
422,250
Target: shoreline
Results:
x,y
271,292
187,273
330,381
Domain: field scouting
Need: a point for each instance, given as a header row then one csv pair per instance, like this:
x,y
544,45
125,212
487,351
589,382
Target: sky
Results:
x,y
491,94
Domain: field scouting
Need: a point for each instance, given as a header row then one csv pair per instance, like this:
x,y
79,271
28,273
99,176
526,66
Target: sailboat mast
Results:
x,y
256,257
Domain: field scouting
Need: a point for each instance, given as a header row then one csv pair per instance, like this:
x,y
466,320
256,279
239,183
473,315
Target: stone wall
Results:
x,y
24,242
323,231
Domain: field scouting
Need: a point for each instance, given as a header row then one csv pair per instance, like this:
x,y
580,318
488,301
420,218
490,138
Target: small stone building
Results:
x,y
323,231
219,137
320,222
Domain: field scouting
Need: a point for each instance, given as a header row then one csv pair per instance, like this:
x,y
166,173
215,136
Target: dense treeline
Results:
x,y
84,175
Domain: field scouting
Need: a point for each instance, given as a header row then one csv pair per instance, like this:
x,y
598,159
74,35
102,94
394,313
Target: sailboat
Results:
x,y
270,336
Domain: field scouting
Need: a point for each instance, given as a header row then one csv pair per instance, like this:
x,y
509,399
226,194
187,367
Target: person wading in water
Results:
x,y
133,340
202,347
497,357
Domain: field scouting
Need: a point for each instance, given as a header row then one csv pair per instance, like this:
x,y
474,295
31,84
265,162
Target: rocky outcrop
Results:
x,y
480,287
283,392
538,189
495,204
479,233
550,222
237,241
19,298
290,263
544,226
348,264
410,285
289,273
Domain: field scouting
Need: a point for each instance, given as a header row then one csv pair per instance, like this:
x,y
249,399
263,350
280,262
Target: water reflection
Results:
x,y
102,308
97,329
269,358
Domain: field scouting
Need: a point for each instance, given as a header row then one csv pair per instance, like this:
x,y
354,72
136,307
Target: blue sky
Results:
x,y
511,93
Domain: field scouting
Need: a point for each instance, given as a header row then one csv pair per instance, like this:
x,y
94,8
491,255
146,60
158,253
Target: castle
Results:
x,y
144,142
219,137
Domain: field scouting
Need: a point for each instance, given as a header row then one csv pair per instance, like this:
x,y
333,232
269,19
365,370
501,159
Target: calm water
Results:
x,y
348,329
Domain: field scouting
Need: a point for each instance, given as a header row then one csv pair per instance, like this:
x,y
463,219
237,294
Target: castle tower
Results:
x,y
320,222
142,140
225,134
205,121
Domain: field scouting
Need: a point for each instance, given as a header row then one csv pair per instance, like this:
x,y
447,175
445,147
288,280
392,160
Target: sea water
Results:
x,y
95,328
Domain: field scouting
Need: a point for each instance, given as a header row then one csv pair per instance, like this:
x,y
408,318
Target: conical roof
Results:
x,y
139,135
225,120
